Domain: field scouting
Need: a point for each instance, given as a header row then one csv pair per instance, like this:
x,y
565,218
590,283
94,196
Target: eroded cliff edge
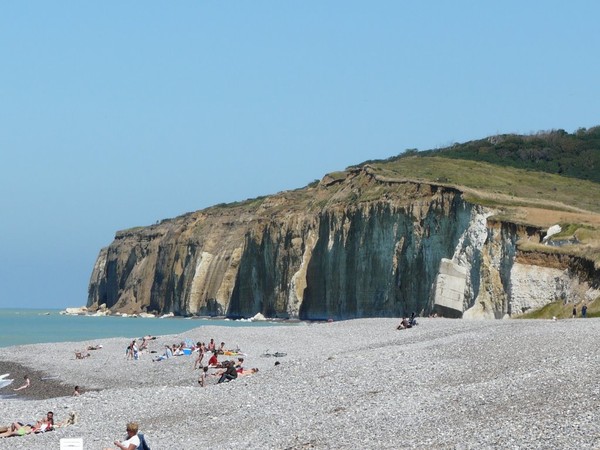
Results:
x,y
353,245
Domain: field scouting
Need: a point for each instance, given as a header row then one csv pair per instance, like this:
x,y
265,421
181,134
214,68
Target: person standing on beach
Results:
x,y
25,385
574,311
203,374
584,310
198,362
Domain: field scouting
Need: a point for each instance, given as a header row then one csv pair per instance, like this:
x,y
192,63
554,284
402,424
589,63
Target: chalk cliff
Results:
x,y
355,244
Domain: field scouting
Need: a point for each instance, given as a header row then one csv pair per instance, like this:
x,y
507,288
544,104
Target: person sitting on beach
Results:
x,y
132,442
166,355
177,350
221,350
211,345
25,385
239,365
144,344
213,361
404,324
229,374
76,392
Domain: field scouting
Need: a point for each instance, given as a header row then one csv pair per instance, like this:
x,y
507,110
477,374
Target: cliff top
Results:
x,y
523,178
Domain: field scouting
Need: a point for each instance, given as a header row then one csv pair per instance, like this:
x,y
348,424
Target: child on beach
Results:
x,y
202,379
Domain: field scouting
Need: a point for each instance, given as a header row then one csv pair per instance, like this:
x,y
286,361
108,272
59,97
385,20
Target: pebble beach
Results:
x,y
443,384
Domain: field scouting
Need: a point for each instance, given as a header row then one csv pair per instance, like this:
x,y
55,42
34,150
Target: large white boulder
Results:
x,y
76,311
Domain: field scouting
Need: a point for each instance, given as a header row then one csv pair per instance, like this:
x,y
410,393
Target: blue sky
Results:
x,y
119,114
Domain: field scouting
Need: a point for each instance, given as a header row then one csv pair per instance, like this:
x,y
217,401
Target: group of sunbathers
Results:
x,y
81,354
231,369
21,428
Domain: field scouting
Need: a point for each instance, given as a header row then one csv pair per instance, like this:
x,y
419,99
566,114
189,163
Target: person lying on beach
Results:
x,y
25,385
21,430
81,355
132,442
247,372
94,347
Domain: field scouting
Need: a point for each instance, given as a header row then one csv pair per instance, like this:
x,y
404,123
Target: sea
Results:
x,y
36,326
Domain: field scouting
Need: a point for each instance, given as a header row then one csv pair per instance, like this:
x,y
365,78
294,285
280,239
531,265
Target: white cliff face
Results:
x,y
473,239
201,274
454,285
298,282
534,286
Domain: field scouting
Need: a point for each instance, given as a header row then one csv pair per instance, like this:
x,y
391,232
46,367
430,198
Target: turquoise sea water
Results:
x,y
32,326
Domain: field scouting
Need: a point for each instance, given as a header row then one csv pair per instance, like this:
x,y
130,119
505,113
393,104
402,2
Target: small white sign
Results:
x,y
71,444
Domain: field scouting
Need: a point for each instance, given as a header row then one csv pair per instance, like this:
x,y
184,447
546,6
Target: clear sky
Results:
x,y
117,114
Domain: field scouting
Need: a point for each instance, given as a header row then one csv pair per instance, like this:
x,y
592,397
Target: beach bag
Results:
x,y
143,444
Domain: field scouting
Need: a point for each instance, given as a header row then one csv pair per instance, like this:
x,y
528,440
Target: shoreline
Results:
x,y
29,327
43,385
349,384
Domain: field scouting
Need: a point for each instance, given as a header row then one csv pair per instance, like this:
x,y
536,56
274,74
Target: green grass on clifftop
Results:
x,y
562,310
496,185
